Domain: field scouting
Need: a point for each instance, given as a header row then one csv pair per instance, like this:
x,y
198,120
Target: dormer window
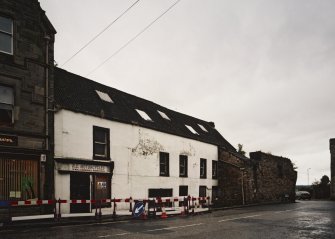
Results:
x,y
104,96
6,35
202,128
6,105
164,116
191,129
144,115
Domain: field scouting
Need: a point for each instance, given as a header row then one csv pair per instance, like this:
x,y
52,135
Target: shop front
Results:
x,y
88,180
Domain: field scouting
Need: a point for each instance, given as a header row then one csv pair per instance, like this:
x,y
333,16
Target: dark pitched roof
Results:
x,y
78,94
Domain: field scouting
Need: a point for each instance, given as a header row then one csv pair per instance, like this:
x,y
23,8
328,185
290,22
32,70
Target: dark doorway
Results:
x,y
79,190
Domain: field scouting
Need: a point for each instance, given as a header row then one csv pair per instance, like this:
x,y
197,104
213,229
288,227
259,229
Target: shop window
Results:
x,y
214,169
6,35
6,105
183,166
163,164
100,143
19,179
203,168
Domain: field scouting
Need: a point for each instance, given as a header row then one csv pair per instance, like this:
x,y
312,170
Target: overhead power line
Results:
x,y
132,39
96,36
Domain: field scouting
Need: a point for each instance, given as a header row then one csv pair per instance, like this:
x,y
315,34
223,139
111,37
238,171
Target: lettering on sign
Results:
x,y
89,168
9,140
102,185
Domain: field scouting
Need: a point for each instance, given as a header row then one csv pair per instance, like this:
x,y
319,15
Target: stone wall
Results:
x,y
26,71
260,178
332,168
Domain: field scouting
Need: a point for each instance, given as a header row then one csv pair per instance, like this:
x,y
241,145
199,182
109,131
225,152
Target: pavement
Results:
x,y
49,220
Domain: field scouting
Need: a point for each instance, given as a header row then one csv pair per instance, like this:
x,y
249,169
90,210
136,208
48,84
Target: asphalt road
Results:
x,y
304,219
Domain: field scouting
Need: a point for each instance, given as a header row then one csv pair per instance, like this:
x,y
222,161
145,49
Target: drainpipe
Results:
x,y
47,39
242,187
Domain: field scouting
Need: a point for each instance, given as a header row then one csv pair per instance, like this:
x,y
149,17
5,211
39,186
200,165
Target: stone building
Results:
x,y
26,93
332,168
261,178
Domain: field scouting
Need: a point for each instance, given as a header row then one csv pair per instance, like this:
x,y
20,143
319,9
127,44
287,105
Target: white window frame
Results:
x,y
104,96
190,128
11,34
202,128
164,116
144,115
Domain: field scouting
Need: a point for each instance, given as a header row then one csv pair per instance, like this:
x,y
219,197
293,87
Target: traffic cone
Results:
x,y
164,215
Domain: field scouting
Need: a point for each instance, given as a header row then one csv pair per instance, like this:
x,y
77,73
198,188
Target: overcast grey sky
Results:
x,y
262,70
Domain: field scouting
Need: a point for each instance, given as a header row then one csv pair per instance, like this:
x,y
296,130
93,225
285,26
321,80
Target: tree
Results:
x,y
240,149
322,188
325,180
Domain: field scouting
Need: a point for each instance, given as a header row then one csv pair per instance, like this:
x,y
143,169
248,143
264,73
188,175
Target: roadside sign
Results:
x,y
138,209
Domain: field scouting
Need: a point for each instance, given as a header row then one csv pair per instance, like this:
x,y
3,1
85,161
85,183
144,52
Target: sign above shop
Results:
x,y
84,168
8,140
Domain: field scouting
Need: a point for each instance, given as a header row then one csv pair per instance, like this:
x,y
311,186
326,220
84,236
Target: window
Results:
x,y
203,168
182,166
163,164
163,115
214,169
191,129
202,191
6,105
183,192
100,143
203,128
104,96
160,192
6,35
143,115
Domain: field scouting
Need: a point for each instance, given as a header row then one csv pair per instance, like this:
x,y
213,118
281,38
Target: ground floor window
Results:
x,y
161,192
19,179
183,192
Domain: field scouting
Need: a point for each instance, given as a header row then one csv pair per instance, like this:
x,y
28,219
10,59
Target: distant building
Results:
x,y
261,178
332,168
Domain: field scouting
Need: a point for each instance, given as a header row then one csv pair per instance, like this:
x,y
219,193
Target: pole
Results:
x,y
308,176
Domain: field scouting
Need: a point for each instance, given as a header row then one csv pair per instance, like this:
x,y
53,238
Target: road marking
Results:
x,y
120,234
288,210
153,230
238,218
169,228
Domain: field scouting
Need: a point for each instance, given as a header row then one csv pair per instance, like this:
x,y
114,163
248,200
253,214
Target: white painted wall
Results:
x,y
134,173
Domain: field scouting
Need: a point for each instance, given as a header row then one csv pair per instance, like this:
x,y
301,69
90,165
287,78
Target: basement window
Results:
x,y
104,96
144,115
163,115
191,129
202,128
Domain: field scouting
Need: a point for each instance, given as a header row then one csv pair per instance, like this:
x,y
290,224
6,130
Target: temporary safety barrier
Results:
x,y
188,203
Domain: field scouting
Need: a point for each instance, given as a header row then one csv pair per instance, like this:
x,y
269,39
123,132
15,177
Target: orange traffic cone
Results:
x,y
164,215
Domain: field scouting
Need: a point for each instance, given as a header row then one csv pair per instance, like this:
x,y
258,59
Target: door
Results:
x,y
102,188
79,190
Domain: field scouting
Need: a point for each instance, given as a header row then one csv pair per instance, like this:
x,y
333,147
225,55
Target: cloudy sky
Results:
x,y
262,70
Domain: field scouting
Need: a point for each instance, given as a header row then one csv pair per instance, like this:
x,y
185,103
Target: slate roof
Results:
x,y
78,94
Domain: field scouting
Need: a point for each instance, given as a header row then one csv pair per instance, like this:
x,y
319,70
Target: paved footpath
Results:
x,y
304,219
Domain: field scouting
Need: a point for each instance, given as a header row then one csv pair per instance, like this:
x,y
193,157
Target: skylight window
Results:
x,y
203,128
143,115
191,129
163,115
104,96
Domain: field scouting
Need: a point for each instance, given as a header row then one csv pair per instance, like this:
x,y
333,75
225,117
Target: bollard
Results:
x,y
130,204
9,212
96,210
59,210
55,209
100,214
192,206
114,209
209,204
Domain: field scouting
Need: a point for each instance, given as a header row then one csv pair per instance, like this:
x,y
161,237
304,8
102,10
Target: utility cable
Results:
x,y
132,39
96,36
